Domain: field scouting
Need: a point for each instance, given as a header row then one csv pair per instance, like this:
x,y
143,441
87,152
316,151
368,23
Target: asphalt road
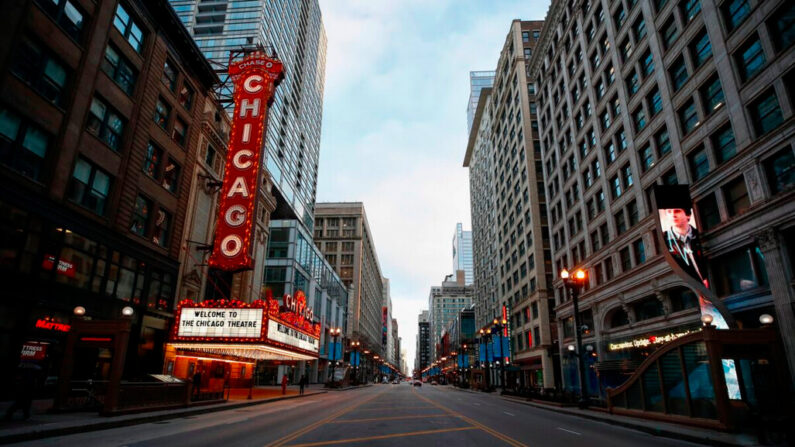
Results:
x,y
380,416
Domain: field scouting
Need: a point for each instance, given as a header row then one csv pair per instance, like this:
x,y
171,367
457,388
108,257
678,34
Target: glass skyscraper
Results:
x,y
478,80
294,30
462,252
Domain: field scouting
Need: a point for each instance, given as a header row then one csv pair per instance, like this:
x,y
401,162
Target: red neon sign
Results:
x,y
255,78
63,267
43,323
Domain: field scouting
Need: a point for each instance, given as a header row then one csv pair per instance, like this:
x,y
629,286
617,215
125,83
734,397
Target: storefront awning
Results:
x,y
248,351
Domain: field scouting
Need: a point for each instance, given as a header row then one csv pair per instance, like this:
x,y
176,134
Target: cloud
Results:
x,y
394,127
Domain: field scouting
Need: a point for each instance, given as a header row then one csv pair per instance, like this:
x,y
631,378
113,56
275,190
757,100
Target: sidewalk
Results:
x,y
43,424
668,430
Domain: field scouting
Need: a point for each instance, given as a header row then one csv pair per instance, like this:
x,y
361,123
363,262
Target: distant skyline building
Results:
x,y
462,252
423,355
444,303
294,30
478,80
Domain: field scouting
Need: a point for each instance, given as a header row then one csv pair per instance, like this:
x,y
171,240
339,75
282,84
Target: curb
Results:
x,y
104,425
348,388
635,426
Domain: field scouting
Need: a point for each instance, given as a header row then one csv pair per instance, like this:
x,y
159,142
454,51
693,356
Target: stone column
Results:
x,y
779,277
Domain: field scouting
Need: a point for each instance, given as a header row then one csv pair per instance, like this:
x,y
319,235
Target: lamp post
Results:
x,y
485,336
355,350
499,326
464,364
335,332
574,282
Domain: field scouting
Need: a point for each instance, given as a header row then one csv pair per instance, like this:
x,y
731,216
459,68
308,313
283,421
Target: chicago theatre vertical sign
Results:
x,y
255,77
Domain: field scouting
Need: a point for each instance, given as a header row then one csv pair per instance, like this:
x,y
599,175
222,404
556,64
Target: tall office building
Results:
x,y
478,80
506,171
633,94
423,354
294,30
462,252
343,234
444,303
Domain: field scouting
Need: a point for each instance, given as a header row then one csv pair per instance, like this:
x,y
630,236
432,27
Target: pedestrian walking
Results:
x,y
24,388
302,383
197,383
284,384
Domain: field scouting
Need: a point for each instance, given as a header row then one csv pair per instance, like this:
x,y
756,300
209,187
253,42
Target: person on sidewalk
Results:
x,y
197,383
24,388
301,384
284,384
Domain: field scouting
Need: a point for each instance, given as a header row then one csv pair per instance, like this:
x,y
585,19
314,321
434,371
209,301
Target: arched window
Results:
x,y
616,318
647,308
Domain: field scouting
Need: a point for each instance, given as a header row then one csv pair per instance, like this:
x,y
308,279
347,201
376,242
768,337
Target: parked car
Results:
x,y
417,383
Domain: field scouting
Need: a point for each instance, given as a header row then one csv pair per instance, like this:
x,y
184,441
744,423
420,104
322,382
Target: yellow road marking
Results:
x,y
374,438
392,418
477,424
317,424
424,407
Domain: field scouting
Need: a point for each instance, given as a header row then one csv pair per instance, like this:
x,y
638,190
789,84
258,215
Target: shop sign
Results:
x,y
384,322
64,267
297,305
255,78
220,322
645,342
44,323
287,335
33,350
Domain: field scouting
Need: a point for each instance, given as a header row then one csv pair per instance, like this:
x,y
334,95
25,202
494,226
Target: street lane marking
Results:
x,y
391,418
509,414
578,434
308,428
395,408
374,438
477,424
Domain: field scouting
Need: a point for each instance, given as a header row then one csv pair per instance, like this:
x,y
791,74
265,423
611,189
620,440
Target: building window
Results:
x,y
609,269
119,69
170,180
701,49
169,77
634,214
162,227
708,212
105,123
640,251
180,132
610,153
663,142
712,95
723,143
738,271
682,298
750,58
154,158
690,8
140,216
655,102
736,194
89,186
647,62
669,33
639,28
688,117
525,36
782,26
648,308
23,145
670,178
37,67
66,14
646,158
765,113
633,83
621,223
162,113
185,98
780,170
128,28
678,73
699,164
735,12
626,172
640,119
209,159
626,260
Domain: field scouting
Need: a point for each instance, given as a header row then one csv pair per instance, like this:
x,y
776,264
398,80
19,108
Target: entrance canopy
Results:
x,y
247,351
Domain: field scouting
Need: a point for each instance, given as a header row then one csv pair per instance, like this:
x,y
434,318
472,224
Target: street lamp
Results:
x,y
485,335
574,282
355,349
335,332
498,327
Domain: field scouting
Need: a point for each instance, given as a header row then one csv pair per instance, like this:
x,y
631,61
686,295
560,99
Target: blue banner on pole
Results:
x,y
482,353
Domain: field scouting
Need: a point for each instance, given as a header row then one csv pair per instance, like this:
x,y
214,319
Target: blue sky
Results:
x,y
394,127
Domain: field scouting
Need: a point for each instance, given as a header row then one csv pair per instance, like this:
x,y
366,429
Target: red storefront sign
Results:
x,y
64,267
33,350
255,78
50,325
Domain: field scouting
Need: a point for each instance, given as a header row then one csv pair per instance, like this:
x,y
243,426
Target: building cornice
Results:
x,y
556,9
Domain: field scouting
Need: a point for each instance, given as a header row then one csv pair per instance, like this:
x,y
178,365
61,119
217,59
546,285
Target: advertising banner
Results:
x,y
289,336
255,77
678,232
220,323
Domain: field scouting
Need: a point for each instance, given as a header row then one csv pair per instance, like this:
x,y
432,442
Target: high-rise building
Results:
x,y
478,80
462,252
444,303
634,94
423,354
507,177
343,234
293,29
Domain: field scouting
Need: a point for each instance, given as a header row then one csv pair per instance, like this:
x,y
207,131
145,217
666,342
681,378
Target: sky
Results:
x,y
394,129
